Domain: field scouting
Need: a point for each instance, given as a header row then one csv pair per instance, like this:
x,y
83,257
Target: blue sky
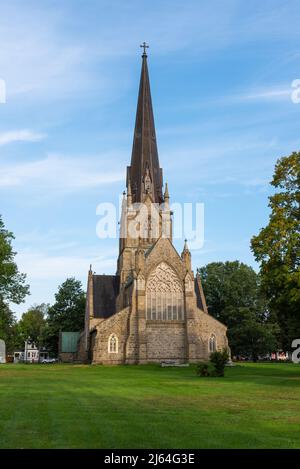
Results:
x,y
221,74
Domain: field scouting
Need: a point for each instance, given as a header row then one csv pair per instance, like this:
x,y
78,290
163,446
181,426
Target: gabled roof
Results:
x,y
159,240
105,292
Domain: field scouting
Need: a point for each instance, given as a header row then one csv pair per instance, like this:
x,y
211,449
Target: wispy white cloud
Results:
x,y
35,55
50,50
269,93
60,173
41,265
239,160
46,271
53,238
41,53
22,135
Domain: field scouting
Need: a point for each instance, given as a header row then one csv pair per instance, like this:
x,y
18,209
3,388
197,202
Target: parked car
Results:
x,y
48,360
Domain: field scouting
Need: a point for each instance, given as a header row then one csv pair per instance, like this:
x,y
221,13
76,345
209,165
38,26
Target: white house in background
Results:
x,y
2,351
31,353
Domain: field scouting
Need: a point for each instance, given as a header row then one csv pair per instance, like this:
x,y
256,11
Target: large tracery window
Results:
x,y
164,295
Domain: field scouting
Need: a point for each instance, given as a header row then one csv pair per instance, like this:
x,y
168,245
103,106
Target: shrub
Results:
x,y
215,366
219,360
205,369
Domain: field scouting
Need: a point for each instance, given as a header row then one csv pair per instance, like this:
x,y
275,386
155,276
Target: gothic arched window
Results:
x,y
212,345
113,344
164,295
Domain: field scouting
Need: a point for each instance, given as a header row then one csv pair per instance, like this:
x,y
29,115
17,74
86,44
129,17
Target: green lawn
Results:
x,y
65,406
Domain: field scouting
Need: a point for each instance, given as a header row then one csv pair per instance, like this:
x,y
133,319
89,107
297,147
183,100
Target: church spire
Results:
x,y
144,174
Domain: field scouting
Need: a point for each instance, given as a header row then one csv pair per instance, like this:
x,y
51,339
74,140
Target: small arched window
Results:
x,y
212,345
113,344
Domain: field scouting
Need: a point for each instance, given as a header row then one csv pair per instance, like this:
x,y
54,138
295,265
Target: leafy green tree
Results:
x,y
12,283
252,337
277,249
8,327
12,288
67,313
33,323
233,296
230,284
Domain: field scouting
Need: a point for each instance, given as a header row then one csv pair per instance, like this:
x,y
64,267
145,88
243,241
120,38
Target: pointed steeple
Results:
x,y
144,174
166,194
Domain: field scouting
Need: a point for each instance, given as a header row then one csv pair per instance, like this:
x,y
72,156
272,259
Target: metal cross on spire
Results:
x,y
144,46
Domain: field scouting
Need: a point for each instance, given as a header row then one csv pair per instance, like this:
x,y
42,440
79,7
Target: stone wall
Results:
x,y
118,325
82,353
165,341
67,357
200,328
141,340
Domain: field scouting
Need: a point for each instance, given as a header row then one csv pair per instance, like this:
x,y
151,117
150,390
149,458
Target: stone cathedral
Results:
x,y
153,309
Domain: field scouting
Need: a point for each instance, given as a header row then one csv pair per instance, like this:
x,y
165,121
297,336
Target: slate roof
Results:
x,y
201,303
105,292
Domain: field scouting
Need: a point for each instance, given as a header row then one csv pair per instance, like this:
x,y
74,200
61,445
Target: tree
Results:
x,y
233,296
252,337
277,249
8,327
33,323
67,313
12,288
229,284
12,282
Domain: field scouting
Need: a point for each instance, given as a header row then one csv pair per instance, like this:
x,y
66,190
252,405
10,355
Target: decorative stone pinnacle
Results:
x,y
166,194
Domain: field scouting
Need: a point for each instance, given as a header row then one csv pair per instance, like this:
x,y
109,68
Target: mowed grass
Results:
x,y
65,406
